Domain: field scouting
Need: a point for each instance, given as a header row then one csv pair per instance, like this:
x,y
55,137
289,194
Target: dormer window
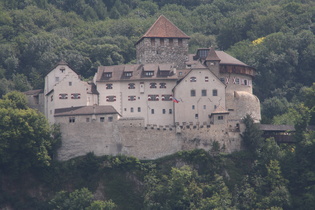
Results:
x,y
149,73
108,74
62,69
128,74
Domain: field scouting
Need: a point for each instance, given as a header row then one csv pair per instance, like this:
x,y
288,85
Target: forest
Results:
x,y
277,38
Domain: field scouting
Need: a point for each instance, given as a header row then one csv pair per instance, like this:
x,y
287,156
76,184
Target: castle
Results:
x,y
169,101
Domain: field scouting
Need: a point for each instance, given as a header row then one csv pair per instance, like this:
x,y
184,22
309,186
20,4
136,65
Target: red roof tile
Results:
x,y
164,28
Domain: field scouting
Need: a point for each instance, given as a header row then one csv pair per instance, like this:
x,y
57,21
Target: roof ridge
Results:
x,y
164,28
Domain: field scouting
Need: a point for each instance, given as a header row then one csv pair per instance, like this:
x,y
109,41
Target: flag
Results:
x,y
175,100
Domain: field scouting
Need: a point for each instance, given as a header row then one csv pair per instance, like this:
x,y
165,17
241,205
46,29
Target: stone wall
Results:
x,y
162,53
141,142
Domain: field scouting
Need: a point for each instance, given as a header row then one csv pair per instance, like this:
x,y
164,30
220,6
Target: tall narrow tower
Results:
x,y
163,43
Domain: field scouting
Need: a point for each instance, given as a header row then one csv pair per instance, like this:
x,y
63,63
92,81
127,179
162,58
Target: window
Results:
x,y
220,117
75,95
63,96
87,119
222,80
153,97
109,86
128,74
149,73
192,93
70,83
204,107
170,111
163,85
203,92
102,119
206,79
152,41
196,116
110,119
237,81
57,79
110,98
180,42
51,97
108,74
170,42
152,85
163,111
131,109
167,97
193,107
131,86
71,119
193,79
152,111
215,92
245,82
161,41
139,109
62,69
132,98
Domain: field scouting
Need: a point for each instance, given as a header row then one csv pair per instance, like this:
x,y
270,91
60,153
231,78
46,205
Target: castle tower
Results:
x,y
163,43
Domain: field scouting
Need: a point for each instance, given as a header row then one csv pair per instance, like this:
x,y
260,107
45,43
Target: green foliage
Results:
x,y
252,135
25,137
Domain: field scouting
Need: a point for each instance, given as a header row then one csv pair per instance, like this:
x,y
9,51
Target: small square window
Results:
x,y
128,74
102,119
109,86
110,98
152,85
220,117
75,95
87,119
63,96
163,85
132,98
131,86
110,119
71,119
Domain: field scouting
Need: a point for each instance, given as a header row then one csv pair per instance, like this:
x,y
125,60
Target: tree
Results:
x,y
252,135
80,199
25,135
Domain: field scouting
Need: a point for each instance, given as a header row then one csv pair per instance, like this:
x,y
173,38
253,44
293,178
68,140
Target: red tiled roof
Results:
x,y
164,28
212,56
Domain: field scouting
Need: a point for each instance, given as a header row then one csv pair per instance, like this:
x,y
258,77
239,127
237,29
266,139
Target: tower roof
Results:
x,y
164,28
212,55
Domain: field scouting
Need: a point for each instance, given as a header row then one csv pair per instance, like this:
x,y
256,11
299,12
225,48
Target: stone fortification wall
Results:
x,y
143,143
